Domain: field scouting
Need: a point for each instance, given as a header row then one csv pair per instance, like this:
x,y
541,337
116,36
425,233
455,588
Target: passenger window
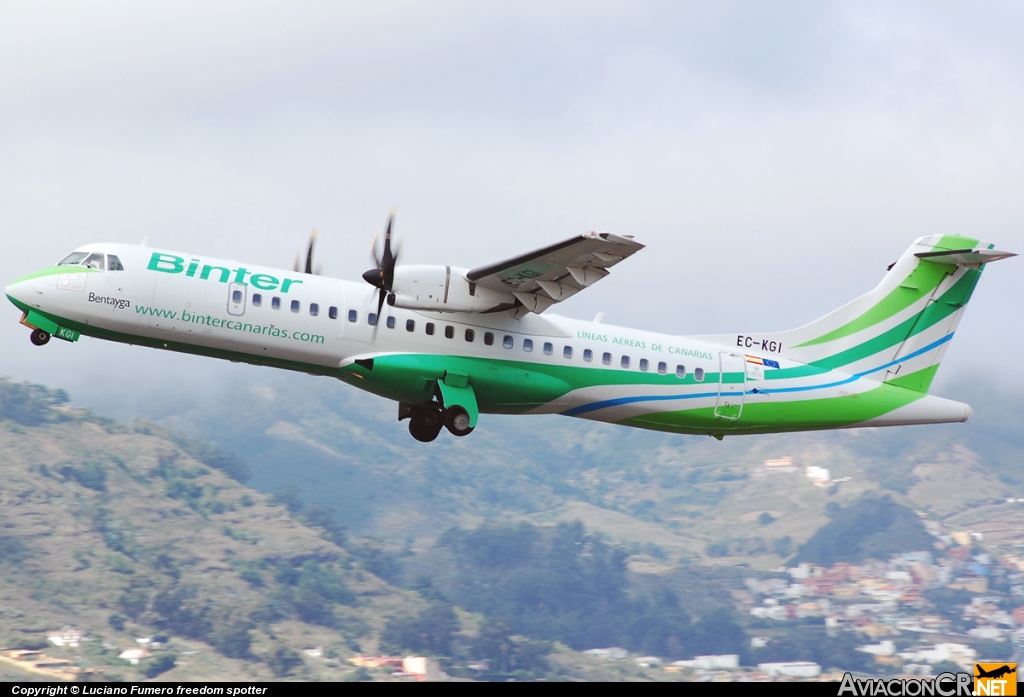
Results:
x,y
662,368
527,345
332,312
276,303
314,309
624,362
295,305
391,322
371,318
449,332
644,364
410,325
470,335
508,342
698,375
353,316
606,358
95,261
113,263
73,259
257,299
588,355
680,371
236,296
489,338
567,352
430,329
548,348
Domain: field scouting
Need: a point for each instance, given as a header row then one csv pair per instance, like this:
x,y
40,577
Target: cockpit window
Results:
x,y
113,263
73,258
95,261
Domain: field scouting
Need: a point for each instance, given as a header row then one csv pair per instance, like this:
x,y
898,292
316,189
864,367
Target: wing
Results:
x,y
546,276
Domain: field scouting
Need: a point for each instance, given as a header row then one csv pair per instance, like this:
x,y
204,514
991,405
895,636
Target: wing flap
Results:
x,y
554,273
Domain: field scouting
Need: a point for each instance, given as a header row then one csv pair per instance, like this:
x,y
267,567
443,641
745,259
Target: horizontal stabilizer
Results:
x,y
971,258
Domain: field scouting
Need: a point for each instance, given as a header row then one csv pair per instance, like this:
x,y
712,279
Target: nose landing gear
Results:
x,y
456,420
39,337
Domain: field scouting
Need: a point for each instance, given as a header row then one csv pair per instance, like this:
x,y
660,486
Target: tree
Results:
x,y
282,661
161,663
431,632
288,495
230,636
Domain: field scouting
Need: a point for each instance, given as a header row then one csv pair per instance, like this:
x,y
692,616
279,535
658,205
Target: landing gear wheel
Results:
x,y
425,424
39,337
457,421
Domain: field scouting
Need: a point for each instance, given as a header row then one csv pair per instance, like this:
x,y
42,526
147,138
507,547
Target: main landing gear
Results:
x,y
39,337
425,423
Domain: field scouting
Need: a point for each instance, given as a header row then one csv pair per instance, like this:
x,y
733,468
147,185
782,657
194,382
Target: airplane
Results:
x,y
995,673
449,344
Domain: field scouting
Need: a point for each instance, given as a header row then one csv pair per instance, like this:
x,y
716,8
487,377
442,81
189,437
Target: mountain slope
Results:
x,y
121,533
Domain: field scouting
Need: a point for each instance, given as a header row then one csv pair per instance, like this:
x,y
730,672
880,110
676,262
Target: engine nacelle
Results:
x,y
442,289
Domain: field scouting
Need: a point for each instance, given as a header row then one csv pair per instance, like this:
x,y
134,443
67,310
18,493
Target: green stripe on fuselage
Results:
x,y
773,417
55,271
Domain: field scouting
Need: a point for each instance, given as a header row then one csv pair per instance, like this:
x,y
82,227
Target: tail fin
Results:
x,y
899,331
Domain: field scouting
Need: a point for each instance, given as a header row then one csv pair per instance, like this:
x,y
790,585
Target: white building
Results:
x,y
133,656
882,648
612,653
728,661
819,475
958,653
422,667
65,638
793,669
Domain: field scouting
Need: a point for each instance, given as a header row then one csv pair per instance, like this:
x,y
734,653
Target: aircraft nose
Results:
x,y
18,290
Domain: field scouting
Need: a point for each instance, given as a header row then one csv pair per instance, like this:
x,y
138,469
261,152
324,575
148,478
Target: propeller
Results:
x,y
308,266
383,275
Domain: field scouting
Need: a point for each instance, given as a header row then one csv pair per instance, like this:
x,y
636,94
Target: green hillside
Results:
x,y
869,528
123,533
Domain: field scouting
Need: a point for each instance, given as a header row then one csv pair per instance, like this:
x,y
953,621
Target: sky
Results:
x,y
775,158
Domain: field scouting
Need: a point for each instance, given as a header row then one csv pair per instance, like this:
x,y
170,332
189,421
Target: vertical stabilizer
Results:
x,y
899,331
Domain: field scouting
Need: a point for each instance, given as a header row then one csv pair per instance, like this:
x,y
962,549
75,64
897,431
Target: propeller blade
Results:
x,y
373,250
309,250
388,259
383,275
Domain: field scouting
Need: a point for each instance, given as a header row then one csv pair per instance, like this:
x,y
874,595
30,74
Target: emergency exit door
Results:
x,y
236,298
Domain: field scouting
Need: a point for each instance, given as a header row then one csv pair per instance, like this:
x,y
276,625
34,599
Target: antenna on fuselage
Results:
x,y
598,317
145,241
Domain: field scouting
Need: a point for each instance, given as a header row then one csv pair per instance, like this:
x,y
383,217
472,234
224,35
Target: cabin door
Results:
x,y
732,384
